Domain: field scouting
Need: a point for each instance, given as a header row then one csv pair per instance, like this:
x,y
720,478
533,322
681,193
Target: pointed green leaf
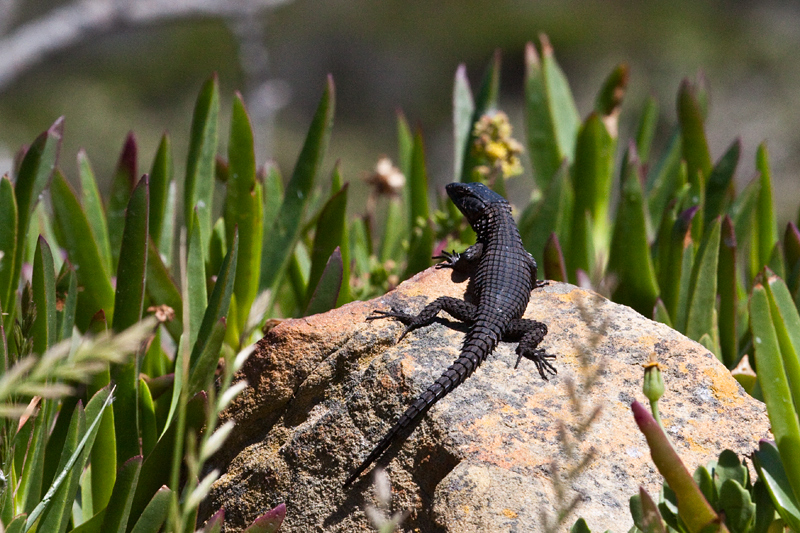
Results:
x,y
62,491
552,119
104,462
719,192
609,98
405,148
767,460
592,177
161,290
95,290
147,417
646,129
463,109
694,510
418,183
93,207
695,146
122,184
703,290
220,300
33,177
119,507
44,296
787,327
199,185
393,232
327,290
629,256
8,241
156,512
131,273
273,195
553,260
161,175
157,467
728,294
243,209
168,225
742,213
660,313
683,260
286,228
775,386
551,214
666,177
196,290
67,296
329,234
485,103
55,512
201,375
765,230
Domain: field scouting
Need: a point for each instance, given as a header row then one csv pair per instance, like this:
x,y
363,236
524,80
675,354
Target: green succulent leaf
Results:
x,y
646,129
548,215
93,207
199,184
719,191
161,290
421,239
463,110
119,507
155,514
552,118
327,290
122,185
44,297
196,290
330,233
485,103
774,384
8,240
768,462
703,290
131,273
765,231
693,508
202,374
727,279
97,293
695,146
161,179
243,209
287,226
667,176
629,256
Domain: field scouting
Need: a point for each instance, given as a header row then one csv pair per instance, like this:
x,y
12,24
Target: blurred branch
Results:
x,y
66,25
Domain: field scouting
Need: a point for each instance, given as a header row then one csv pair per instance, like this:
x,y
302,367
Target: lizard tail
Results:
x,y
472,355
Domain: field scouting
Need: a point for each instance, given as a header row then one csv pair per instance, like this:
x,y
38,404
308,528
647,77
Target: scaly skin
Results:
x,y
503,276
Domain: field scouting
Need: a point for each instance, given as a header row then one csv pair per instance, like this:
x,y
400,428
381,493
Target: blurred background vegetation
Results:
x,y
142,73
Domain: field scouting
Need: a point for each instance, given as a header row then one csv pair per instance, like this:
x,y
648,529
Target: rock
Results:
x,y
324,389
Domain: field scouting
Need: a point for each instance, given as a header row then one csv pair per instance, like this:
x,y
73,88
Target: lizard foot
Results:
x,y
449,259
541,359
400,316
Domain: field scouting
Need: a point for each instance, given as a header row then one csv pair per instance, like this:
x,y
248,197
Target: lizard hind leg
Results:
x,y
530,333
458,309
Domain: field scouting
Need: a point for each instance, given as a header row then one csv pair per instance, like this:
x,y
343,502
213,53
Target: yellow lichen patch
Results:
x,y
509,514
466,509
725,390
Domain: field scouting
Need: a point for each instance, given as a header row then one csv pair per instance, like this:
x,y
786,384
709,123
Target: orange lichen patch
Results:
x,y
508,513
466,509
725,390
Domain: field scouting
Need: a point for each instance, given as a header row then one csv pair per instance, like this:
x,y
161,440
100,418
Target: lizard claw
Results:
x,y
540,359
449,259
540,283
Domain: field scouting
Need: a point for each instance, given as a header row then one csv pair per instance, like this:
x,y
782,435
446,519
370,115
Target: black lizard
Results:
x,y
503,275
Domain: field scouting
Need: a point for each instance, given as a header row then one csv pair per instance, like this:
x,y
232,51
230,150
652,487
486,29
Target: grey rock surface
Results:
x,y
324,389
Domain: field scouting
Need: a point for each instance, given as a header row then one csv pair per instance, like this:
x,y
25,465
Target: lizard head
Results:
x,y
472,199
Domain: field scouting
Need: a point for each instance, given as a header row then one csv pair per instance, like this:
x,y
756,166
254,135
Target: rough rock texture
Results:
x,y
324,389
